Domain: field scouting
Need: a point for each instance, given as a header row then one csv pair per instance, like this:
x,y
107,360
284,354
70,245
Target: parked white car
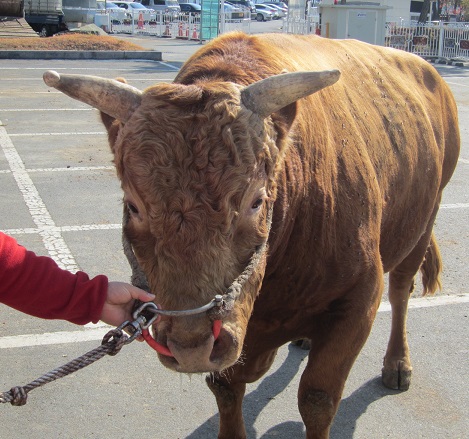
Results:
x,y
117,14
170,7
134,9
282,12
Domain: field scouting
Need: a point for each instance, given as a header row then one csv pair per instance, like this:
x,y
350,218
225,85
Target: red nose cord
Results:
x,y
158,347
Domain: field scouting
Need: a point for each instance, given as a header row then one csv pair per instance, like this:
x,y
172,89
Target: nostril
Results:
x,y
221,346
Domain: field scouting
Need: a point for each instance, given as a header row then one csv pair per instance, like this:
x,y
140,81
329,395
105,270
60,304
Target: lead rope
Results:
x,y
235,289
111,344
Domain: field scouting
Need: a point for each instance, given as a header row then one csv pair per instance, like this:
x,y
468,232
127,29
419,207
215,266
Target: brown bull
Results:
x,y
352,170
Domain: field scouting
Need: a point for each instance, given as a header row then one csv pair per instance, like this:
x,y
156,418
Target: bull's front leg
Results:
x,y
229,388
229,398
339,335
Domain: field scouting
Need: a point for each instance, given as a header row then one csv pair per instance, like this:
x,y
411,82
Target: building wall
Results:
x,y
400,10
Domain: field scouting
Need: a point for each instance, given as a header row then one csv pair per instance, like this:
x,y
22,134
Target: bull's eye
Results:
x,y
257,204
132,208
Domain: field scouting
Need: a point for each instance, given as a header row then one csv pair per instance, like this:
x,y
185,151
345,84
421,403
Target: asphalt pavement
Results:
x,y
60,197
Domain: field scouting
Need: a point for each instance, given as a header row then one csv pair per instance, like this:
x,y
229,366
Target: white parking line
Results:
x,y
428,302
127,78
72,169
19,92
457,83
455,206
49,338
52,239
82,228
22,110
85,133
99,69
169,65
96,332
77,168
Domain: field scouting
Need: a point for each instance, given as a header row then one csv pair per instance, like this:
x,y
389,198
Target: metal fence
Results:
x,y
442,41
448,41
185,26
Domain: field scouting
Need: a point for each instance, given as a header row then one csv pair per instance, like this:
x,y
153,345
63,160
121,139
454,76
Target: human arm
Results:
x,y
36,285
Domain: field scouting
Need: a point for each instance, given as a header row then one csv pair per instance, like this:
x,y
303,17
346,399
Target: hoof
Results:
x,y
396,379
303,343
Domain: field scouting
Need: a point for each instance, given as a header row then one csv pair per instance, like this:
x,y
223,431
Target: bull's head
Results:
x,y
198,166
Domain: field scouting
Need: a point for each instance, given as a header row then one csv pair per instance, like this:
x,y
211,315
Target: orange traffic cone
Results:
x,y
180,31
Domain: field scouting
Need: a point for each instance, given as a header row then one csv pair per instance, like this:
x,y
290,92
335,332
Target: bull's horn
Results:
x,y
112,97
269,95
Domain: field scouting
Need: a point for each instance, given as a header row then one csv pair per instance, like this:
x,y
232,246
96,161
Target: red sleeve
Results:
x,y
36,285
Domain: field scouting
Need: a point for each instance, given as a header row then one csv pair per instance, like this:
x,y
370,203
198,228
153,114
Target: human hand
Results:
x,y
120,301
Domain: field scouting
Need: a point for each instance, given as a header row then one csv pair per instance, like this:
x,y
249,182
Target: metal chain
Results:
x,y
111,344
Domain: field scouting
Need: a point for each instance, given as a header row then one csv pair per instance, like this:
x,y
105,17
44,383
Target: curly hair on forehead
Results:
x,y
191,167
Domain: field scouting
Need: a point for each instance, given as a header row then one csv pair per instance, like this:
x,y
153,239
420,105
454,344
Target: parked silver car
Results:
x,y
246,5
190,8
234,12
262,14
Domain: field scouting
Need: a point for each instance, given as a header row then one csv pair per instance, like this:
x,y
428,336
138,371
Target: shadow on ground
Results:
x,y
349,412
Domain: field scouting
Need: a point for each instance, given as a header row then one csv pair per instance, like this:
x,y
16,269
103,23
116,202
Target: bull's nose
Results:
x,y
211,355
193,359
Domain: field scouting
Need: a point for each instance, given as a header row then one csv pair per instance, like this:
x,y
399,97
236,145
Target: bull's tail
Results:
x,y
431,268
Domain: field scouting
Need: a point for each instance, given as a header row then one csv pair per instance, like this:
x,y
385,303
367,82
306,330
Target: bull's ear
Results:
x,y
111,124
269,95
114,98
112,127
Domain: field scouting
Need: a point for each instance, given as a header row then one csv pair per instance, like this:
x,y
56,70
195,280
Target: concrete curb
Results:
x,y
447,61
77,54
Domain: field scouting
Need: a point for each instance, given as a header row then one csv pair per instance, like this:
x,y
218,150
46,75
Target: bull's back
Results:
x,y
403,118
391,121
385,133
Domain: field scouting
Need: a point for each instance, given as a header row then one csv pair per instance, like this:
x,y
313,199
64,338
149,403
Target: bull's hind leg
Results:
x,y
397,368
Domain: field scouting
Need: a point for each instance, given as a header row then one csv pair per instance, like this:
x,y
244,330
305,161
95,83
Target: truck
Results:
x,y
12,22
45,16
11,8
79,12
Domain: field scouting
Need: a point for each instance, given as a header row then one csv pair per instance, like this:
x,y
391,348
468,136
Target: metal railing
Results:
x,y
442,41
186,26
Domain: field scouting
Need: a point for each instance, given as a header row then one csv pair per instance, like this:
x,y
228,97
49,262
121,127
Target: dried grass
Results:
x,y
69,41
